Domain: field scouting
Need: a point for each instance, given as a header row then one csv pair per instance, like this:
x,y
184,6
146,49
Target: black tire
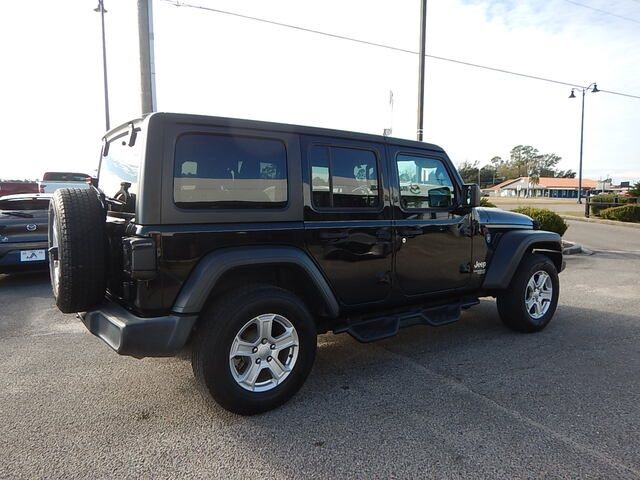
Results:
x,y
511,303
217,328
79,220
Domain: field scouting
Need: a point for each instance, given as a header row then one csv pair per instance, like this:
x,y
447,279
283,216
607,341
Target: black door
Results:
x,y
432,232
347,217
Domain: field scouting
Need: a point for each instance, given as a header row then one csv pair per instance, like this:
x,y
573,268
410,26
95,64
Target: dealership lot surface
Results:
x,y
467,400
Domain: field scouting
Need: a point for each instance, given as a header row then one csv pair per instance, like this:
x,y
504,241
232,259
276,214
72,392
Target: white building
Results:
x,y
550,187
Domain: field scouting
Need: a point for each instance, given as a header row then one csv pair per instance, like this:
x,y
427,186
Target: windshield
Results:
x,y
118,175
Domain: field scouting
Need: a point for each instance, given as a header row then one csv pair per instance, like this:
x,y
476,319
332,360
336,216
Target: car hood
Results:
x,y
496,217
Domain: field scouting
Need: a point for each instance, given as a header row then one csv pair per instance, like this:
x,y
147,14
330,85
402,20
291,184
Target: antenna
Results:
x,y
388,131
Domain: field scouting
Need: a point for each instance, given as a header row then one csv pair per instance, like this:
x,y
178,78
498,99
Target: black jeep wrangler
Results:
x,y
243,240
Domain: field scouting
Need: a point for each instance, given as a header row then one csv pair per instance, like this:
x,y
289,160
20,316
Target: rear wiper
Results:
x,y
16,214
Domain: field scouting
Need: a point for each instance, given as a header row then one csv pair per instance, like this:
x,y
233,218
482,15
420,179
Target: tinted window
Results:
x,y
226,171
343,177
424,182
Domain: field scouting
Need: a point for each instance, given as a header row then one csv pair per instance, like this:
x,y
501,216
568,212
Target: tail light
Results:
x,y
41,188
139,257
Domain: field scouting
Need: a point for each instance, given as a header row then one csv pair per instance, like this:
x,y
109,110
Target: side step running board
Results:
x,y
377,328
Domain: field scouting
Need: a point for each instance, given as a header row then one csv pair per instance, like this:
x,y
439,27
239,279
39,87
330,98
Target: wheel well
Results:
x,y
549,250
288,276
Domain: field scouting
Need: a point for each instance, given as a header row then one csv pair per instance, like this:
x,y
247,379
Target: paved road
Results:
x,y
470,400
597,236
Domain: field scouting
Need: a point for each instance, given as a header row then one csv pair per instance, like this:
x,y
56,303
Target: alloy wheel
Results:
x,y
264,352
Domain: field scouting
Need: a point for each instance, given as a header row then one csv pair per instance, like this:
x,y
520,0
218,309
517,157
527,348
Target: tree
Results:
x,y
487,175
635,190
472,173
565,174
546,164
496,161
469,171
522,156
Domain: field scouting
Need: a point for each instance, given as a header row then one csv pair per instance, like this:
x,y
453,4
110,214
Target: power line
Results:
x,y
604,12
385,46
621,94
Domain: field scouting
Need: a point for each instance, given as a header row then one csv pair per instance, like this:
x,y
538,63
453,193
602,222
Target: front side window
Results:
x,y
424,182
223,171
343,177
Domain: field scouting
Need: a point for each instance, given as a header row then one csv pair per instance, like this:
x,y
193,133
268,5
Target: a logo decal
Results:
x,y
31,227
479,267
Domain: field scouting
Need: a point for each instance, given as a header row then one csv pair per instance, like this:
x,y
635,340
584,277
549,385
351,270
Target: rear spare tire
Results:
x,y
77,249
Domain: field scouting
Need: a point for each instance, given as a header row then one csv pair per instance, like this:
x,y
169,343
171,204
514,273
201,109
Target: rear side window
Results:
x,y
223,171
343,177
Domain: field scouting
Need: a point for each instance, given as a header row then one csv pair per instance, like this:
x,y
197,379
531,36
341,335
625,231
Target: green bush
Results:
x,y
486,203
625,213
605,198
547,219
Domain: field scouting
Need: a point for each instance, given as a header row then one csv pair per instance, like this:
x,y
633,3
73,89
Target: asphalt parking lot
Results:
x,y
468,400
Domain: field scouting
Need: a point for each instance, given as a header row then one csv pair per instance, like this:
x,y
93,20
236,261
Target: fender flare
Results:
x,y
202,280
510,250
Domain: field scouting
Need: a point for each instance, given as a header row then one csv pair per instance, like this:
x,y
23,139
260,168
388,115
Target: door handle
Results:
x,y
333,235
410,232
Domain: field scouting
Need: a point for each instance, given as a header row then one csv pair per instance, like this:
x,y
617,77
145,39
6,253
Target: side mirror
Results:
x,y
440,197
471,195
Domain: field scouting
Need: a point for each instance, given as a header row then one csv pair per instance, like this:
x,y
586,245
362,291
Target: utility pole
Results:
x,y
423,40
100,8
147,64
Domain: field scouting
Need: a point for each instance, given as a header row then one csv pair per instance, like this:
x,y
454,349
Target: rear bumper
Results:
x,y
138,337
10,256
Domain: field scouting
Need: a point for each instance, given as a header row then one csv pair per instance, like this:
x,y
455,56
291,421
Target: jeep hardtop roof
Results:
x,y
206,120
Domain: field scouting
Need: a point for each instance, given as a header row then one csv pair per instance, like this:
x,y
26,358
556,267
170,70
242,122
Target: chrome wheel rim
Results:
x,y
55,262
538,294
264,352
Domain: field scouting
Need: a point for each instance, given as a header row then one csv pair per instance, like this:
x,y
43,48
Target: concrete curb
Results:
x,y
601,220
570,248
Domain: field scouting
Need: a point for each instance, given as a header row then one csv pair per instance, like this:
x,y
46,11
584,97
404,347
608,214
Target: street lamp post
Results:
x,y
593,90
100,8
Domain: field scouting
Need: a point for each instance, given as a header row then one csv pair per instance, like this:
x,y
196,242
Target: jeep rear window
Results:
x,y
223,171
119,168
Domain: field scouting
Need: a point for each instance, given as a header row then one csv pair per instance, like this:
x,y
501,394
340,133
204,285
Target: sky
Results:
x,y
51,90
